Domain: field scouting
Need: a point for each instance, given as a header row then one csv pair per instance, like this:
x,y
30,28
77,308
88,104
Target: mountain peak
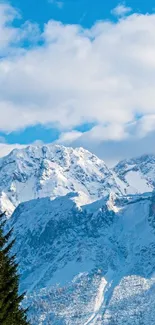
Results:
x,y
54,170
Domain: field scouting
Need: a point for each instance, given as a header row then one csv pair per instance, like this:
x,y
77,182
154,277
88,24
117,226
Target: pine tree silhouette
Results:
x,y
11,312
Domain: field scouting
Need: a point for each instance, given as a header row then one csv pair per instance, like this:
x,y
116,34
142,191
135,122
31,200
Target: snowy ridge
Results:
x,y
52,171
137,173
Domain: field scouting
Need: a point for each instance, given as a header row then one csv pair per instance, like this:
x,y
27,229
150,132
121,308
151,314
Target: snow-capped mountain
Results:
x,y
85,235
52,171
93,264
137,173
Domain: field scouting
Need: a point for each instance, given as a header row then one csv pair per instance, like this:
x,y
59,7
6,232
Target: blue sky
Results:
x,y
85,12
77,86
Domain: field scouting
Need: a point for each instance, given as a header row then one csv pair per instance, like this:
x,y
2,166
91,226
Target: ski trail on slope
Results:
x,y
104,295
98,302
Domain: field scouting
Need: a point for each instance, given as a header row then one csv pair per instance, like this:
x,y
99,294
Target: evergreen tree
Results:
x,y
11,312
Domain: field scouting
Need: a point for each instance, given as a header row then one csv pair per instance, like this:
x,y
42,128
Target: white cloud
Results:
x,y
10,36
113,143
143,126
103,75
108,132
121,10
7,32
67,138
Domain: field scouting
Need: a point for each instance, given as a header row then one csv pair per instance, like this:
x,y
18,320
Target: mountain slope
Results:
x,y
52,171
137,173
86,250
88,265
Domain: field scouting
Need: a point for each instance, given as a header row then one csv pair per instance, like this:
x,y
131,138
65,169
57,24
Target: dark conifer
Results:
x,y
11,312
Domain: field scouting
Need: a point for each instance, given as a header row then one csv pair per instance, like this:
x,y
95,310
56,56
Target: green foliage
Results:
x,y
11,312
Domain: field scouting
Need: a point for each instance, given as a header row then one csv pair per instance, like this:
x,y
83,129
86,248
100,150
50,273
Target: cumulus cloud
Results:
x,y
7,32
145,125
11,37
121,10
70,75
102,75
113,143
67,138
